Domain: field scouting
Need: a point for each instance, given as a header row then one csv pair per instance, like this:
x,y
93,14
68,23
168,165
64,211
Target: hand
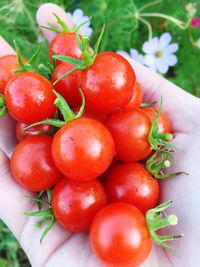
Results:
x,y
62,248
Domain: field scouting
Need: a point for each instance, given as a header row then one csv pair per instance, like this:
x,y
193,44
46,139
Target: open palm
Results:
x,y
61,248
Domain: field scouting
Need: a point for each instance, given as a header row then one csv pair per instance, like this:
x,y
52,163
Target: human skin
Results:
x,y
62,248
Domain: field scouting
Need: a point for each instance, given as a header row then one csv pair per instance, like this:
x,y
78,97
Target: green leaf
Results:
x,y
76,62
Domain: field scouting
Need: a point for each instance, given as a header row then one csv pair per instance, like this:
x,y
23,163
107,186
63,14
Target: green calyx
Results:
x,y
3,109
88,54
149,104
156,219
67,113
31,66
159,162
46,215
156,138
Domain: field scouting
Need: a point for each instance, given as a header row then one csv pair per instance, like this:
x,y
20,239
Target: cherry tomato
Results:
x,y
68,86
102,117
8,64
119,236
83,149
136,100
108,84
164,123
132,183
21,133
32,165
130,129
76,203
29,97
65,44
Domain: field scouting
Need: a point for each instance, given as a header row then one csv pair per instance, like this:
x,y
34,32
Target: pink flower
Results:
x,y
195,22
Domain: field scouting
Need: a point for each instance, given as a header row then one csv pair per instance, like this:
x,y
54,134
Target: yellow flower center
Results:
x,y
159,53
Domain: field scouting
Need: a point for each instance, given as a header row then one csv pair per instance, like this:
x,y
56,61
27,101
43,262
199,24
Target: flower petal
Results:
x,y
77,16
149,60
172,48
164,40
161,66
136,56
170,60
123,53
150,47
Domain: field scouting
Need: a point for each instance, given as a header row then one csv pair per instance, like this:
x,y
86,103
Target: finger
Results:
x,y
12,198
45,17
7,124
5,48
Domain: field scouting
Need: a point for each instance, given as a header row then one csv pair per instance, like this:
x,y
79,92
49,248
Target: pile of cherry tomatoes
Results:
x,y
84,137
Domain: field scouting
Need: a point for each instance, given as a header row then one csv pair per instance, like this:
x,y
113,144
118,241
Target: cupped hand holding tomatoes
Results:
x,y
130,129
83,149
65,44
132,183
29,97
76,203
8,65
109,83
119,236
32,165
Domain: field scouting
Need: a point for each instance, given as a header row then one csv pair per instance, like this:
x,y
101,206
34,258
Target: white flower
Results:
x,y
134,54
78,17
160,53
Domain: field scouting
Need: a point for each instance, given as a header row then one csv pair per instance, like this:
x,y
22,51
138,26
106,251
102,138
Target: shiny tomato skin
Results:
x,y
130,129
83,149
32,165
29,97
21,133
164,123
8,64
119,236
132,183
108,84
68,86
136,100
76,203
65,44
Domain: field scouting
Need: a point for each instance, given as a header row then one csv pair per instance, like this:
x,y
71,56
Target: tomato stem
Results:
x,y
156,219
46,216
3,109
150,104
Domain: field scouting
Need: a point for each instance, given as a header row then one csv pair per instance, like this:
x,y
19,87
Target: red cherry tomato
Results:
x,y
32,165
136,100
29,97
130,129
68,86
132,183
64,44
21,133
76,203
119,236
102,117
83,149
164,123
8,64
108,84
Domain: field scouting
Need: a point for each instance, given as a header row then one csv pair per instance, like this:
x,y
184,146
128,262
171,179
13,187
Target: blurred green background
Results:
x,y
123,31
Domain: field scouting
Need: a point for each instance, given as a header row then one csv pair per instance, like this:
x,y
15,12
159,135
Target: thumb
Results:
x,y
12,201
